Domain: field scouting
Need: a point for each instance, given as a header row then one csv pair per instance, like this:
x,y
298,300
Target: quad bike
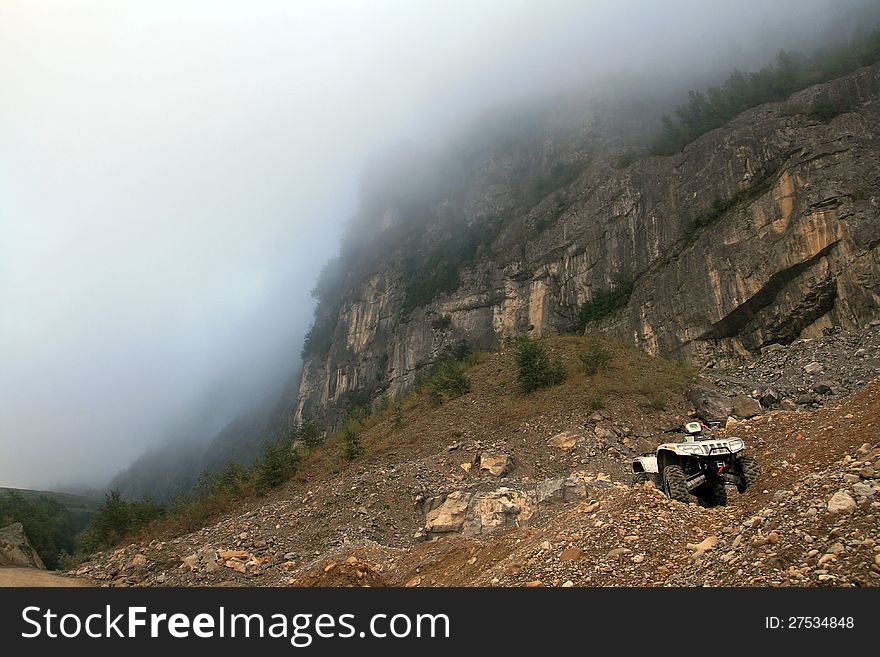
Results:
x,y
701,466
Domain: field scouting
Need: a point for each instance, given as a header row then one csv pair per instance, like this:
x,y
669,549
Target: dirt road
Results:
x,y
34,577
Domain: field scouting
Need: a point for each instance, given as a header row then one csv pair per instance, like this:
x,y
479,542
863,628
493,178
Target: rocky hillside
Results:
x,y
498,487
758,233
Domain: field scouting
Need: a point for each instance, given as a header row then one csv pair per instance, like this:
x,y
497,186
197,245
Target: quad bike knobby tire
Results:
x,y
749,469
674,484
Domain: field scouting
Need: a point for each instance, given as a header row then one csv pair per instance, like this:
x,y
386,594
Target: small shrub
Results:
x,y
278,463
447,380
351,441
442,323
597,401
596,356
397,420
309,435
824,109
536,368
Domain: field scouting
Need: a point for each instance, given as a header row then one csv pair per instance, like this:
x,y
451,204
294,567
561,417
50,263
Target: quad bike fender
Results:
x,y
645,464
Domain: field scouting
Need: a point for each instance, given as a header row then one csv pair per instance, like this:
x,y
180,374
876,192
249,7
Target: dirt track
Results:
x,y
34,577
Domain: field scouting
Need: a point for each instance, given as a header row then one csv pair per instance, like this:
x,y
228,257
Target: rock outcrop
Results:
x,y
759,233
472,513
16,550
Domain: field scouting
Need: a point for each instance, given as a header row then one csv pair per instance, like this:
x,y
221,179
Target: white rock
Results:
x,y
841,502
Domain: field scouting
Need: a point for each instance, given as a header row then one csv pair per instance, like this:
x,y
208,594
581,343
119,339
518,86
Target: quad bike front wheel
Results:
x,y
675,484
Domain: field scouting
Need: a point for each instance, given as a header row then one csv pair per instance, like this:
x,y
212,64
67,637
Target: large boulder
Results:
x,y
744,407
841,502
450,515
559,491
710,405
16,549
496,464
567,440
770,398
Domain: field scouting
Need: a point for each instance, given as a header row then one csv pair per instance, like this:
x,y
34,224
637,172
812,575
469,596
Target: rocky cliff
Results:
x,y
759,232
16,550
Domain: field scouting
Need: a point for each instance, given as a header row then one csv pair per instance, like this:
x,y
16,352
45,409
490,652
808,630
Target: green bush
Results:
x,y
447,380
397,419
117,518
232,480
604,302
309,434
351,440
536,368
596,356
278,463
825,109
720,206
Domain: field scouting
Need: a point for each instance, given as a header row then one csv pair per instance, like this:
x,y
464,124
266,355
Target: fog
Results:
x,y
174,174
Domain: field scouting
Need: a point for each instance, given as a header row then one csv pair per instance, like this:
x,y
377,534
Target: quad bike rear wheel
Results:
x,y
675,484
639,478
750,471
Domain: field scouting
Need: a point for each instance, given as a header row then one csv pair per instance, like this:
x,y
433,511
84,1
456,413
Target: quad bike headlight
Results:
x,y
735,444
692,449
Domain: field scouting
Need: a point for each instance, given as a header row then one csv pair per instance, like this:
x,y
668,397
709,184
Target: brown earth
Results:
x,y
16,577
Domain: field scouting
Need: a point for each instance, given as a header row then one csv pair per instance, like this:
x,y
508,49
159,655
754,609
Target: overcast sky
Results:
x,y
173,173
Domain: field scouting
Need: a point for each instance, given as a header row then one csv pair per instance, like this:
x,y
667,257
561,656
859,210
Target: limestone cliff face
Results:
x,y
762,231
